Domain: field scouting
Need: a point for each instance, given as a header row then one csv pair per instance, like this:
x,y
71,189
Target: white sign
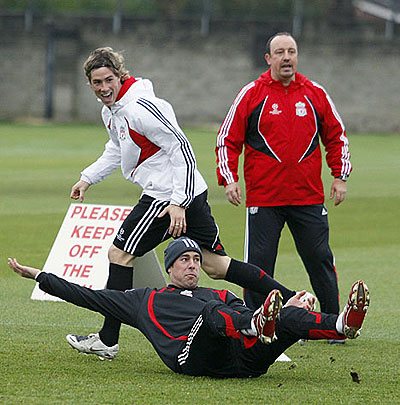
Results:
x,y
80,251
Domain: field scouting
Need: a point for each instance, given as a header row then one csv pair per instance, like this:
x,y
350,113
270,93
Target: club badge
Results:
x,y
301,109
122,133
253,210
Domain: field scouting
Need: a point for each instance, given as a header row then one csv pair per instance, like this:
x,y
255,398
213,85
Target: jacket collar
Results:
x,y
132,88
180,288
129,90
299,80
125,86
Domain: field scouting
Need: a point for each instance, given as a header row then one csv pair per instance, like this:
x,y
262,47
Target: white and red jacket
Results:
x,y
280,129
149,146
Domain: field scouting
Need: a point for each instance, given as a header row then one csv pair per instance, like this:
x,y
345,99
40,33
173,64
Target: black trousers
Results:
x,y
218,351
309,227
142,230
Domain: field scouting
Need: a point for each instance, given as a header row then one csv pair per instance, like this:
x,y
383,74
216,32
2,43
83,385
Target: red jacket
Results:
x,y
280,128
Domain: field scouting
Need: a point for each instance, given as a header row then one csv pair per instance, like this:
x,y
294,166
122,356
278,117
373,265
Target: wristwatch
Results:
x,y
344,177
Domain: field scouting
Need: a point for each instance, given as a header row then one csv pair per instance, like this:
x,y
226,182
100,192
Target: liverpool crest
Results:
x,y
253,210
122,133
300,109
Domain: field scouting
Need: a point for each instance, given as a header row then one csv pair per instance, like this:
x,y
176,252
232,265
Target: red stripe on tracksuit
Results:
x,y
154,319
221,293
324,334
230,331
147,148
321,333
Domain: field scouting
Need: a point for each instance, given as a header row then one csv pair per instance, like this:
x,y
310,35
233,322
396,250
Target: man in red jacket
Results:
x,y
280,119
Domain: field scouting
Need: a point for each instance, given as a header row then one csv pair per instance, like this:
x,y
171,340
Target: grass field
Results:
x,y
39,164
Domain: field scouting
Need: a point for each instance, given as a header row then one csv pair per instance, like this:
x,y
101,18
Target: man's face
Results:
x,y
283,59
105,84
185,271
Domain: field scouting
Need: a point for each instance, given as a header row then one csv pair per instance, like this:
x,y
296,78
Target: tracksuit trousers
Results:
x,y
309,227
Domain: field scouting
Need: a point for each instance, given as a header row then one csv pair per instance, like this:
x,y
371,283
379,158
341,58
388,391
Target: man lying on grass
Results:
x,y
202,331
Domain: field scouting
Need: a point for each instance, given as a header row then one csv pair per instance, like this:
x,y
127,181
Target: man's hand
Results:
x,y
78,190
233,193
338,188
23,271
177,226
296,301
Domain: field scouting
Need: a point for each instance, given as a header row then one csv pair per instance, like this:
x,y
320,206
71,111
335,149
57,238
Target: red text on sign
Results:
x,y
97,213
91,232
77,270
84,251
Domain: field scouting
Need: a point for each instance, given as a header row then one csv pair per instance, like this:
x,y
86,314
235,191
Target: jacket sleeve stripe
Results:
x,y
345,158
223,165
182,357
226,125
186,149
224,132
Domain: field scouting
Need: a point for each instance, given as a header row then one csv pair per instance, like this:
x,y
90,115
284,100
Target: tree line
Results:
x,y
230,9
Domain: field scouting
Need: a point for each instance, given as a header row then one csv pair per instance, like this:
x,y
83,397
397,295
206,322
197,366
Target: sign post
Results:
x,y
79,253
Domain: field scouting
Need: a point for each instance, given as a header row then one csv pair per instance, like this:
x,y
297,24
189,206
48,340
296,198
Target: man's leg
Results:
x,y
263,230
120,278
246,356
110,303
207,350
202,228
244,274
297,323
310,230
251,351
292,324
220,334
105,342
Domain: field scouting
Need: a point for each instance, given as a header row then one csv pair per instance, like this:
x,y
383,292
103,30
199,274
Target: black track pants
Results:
x,y
310,230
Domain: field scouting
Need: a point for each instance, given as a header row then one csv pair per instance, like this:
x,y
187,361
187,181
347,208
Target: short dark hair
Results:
x,y
106,57
278,34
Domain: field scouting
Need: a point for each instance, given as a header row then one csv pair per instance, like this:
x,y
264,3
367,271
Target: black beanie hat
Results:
x,y
177,247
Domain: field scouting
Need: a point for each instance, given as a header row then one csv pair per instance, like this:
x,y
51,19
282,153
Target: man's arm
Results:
x,y
155,120
118,304
97,171
338,190
296,301
107,163
233,193
78,190
177,215
23,271
334,138
229,145
235,302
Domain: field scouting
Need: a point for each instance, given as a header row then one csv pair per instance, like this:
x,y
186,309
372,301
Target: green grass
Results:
x,y
39,164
